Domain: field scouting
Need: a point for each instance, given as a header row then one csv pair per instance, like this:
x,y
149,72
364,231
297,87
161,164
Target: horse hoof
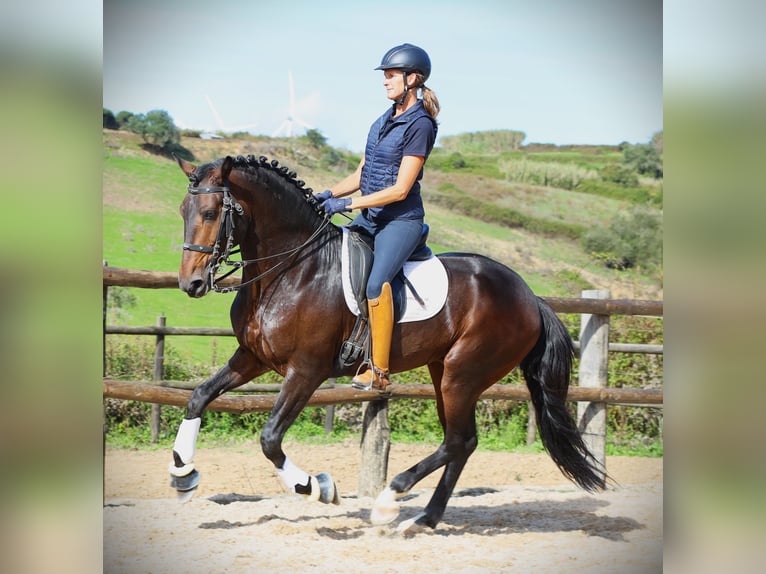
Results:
x,y
386,509
183,496
185,485
413,525
328,492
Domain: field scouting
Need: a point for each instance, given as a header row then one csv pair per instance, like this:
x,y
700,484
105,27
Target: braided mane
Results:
x,y
260,166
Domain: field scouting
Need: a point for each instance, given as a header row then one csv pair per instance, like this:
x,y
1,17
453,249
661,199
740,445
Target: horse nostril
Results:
x,y
195,288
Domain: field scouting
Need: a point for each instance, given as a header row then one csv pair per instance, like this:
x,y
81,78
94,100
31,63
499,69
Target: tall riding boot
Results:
x,y
381,312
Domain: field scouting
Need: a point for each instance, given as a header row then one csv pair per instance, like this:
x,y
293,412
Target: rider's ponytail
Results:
x,y
430,101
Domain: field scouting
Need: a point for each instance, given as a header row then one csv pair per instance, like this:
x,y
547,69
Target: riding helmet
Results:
x,y
408,58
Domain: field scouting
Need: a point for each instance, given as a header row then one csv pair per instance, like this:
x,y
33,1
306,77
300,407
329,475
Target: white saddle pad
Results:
x,y
428,277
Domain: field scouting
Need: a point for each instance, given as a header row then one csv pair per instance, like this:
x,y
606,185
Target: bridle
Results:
x,y
226,236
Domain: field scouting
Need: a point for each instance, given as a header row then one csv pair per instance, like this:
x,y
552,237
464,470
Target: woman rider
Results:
x,y
388,176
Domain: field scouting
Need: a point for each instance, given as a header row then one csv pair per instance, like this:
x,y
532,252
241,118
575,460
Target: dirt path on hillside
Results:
x,y
509,513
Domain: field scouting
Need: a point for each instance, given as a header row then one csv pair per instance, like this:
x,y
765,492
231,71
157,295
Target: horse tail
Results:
x,y
547,370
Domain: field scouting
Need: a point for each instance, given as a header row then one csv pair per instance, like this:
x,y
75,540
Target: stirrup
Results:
x,y
379,380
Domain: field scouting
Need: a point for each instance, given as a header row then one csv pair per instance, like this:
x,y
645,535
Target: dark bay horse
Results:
x,y
289,316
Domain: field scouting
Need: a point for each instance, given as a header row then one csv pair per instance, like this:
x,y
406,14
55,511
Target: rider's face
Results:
x,y
393,81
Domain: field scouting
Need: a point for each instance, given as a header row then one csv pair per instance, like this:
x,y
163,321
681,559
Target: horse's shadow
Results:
x,y
542,516
528,516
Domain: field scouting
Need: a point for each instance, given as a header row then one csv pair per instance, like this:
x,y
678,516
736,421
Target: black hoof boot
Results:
x,y
185,485
327,490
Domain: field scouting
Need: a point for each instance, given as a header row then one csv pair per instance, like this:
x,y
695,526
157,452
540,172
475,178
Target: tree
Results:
x,y
110,122
316,138
123,118
644,158
155,128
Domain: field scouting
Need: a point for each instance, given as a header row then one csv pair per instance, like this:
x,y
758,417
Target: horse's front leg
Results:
x,y
241,368
295,394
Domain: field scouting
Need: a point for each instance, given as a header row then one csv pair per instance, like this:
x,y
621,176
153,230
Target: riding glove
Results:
x,y
336,205
324,195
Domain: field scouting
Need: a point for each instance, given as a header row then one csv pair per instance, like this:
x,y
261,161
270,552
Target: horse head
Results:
x,y
229,192
205,210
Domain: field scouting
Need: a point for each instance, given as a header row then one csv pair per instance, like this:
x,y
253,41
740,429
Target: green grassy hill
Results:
x,y
474,202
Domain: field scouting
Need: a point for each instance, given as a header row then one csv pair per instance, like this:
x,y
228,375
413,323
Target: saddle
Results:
x,y
361,256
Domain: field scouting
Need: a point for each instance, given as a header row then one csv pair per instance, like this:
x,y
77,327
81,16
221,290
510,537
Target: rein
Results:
x,y
226,233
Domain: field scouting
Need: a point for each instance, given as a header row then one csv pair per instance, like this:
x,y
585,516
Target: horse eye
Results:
x,y
209,215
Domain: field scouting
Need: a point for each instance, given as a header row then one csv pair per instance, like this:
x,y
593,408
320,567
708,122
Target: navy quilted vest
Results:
x,y
382,157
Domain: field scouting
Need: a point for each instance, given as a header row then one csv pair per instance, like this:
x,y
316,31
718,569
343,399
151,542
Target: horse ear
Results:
x,y
226,166
186,167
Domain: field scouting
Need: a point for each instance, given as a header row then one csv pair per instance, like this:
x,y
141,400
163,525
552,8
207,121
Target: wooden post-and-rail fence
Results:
x,y
591,394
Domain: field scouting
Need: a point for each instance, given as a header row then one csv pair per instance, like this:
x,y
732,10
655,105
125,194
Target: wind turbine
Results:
x,y
292,119
221,126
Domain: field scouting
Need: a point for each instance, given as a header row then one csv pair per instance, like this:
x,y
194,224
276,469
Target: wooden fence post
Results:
x,y
594,360
376,444
531,424
159,368
329,415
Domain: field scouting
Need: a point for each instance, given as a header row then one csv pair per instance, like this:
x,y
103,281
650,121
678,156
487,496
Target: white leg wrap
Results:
x,y
186,439
386,507
291,475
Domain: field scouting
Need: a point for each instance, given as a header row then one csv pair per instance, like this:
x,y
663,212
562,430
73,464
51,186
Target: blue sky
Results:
x,y
562,71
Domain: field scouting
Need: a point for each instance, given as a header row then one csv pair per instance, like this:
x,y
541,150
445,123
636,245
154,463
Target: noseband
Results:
x,y
226,233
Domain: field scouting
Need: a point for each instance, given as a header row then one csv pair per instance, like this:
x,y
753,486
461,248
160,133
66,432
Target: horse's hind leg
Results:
x,y
459,444
241,368
456,414
386,508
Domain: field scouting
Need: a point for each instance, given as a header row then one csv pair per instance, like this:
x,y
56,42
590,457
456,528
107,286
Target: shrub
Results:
x,y
551,174
639,195
131,357
633,239
118,300
456,160
331,158
470,164
644,159
620,174
633,428
487,142
456,200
